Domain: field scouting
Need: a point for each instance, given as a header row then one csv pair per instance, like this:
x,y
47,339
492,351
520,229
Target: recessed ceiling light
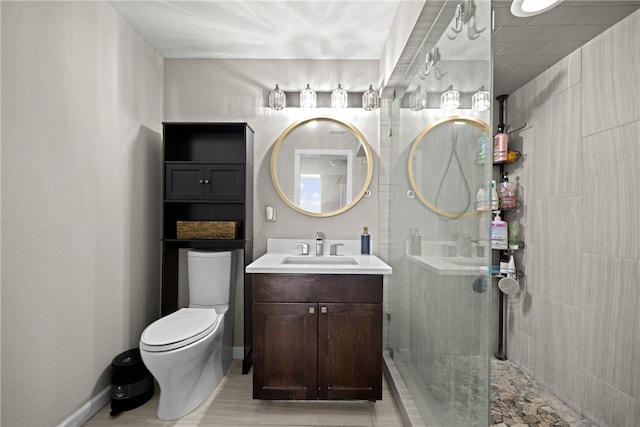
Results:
x,y
524,8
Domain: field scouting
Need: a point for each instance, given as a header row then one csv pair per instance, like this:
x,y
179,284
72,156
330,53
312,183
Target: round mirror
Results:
x,y
446,165
321,166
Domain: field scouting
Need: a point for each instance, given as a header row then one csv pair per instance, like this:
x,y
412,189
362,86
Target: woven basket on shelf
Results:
x,y
207,229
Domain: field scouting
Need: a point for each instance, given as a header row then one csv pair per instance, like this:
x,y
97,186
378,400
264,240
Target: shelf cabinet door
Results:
x,y
184,181
285,351
350,351
224,182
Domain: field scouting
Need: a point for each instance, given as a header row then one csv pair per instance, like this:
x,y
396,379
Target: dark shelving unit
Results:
x,y
208,176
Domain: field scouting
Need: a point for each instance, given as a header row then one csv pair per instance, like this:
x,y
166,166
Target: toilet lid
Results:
x,y
179,329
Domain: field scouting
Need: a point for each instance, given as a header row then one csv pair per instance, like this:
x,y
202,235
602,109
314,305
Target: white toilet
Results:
x,y
189,351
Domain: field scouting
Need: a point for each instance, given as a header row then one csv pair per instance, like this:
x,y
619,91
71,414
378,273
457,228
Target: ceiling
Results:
x,y
347,29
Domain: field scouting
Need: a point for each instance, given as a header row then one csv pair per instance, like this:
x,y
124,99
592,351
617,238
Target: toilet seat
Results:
x,y
179,329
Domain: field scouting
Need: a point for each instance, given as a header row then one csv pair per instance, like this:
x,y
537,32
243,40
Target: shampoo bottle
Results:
x,y
500,145
495,203
365,239
499,233
507,193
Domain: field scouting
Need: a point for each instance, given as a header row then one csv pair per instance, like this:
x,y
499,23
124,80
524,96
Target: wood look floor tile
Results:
x,y
232,404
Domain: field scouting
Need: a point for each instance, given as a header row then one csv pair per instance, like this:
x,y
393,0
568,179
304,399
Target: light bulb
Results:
x,y
308,98
450,100
370,99
480,101
339,98
277,99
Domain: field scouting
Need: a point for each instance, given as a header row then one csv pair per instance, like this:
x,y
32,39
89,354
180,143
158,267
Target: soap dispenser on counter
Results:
x,y
365,242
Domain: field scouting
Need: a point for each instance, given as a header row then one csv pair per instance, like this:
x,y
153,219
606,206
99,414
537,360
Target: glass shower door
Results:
x,y
439,294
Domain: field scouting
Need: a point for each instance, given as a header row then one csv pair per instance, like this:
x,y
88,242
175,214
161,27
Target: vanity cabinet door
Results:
x,y
285,351
350,351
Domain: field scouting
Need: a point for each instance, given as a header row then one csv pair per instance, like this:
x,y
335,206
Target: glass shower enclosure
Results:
x,y
440,251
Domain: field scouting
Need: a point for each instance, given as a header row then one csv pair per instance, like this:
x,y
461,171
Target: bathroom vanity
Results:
x,y
317,327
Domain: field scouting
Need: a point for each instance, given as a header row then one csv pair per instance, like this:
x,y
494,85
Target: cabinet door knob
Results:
x,y
201,181
206,181
323,309
312,310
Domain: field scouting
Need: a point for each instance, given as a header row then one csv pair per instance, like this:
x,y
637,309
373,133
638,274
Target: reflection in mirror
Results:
x,y
443,165
321,166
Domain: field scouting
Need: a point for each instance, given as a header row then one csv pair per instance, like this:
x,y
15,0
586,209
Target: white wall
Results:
x,y
575,326
81,122
237,90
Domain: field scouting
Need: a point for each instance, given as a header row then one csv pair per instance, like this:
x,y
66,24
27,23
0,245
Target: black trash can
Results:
x,y
131,382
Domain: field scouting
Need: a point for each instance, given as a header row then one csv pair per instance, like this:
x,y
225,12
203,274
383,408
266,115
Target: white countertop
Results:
x,y
279,249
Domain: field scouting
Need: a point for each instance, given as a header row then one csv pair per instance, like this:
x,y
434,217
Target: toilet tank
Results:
x,y
210,277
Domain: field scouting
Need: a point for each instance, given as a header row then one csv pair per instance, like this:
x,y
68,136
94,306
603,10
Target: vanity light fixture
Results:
x,y
418,99
308,98
370,99
480,101
525,8
450,99
277,99
339,98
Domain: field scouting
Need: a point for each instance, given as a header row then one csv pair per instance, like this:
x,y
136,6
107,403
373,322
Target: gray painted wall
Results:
x,y
219,90
81,139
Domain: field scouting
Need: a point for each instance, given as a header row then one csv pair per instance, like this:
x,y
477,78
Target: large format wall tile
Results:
x,y
562,75
557,252
610,65
558,145
611,197
612,319
607,405
557,349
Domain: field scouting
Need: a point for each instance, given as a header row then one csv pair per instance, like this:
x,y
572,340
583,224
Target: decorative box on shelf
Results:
x,y
207,229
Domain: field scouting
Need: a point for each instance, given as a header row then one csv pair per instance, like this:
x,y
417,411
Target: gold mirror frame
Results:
x,y
363,142
414,147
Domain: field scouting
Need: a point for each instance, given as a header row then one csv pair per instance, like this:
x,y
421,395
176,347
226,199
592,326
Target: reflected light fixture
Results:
x,y
339,98
525,8
481,101
450,100
308,98
418,99
370,99
277,99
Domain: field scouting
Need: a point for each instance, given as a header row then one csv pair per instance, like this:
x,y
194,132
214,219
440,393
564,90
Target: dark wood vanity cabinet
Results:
x,y
317,336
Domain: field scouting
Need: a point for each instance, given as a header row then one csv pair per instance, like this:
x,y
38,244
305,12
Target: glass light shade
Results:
x,y
480,101
339,98
418,100
308,98
370,99
277,99
450,100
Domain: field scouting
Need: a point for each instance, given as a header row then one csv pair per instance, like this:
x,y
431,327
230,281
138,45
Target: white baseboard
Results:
x,y
88,410
98,401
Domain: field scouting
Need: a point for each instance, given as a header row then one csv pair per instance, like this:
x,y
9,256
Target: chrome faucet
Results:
x,y
319,243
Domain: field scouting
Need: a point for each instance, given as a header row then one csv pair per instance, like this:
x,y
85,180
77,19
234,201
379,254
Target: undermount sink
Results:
x,y
339,260
467,261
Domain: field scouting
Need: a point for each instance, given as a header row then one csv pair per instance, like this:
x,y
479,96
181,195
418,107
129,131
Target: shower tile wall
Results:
x,y
576,328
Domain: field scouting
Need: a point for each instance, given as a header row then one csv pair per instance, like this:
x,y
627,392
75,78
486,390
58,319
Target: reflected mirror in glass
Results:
x,y
445,165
